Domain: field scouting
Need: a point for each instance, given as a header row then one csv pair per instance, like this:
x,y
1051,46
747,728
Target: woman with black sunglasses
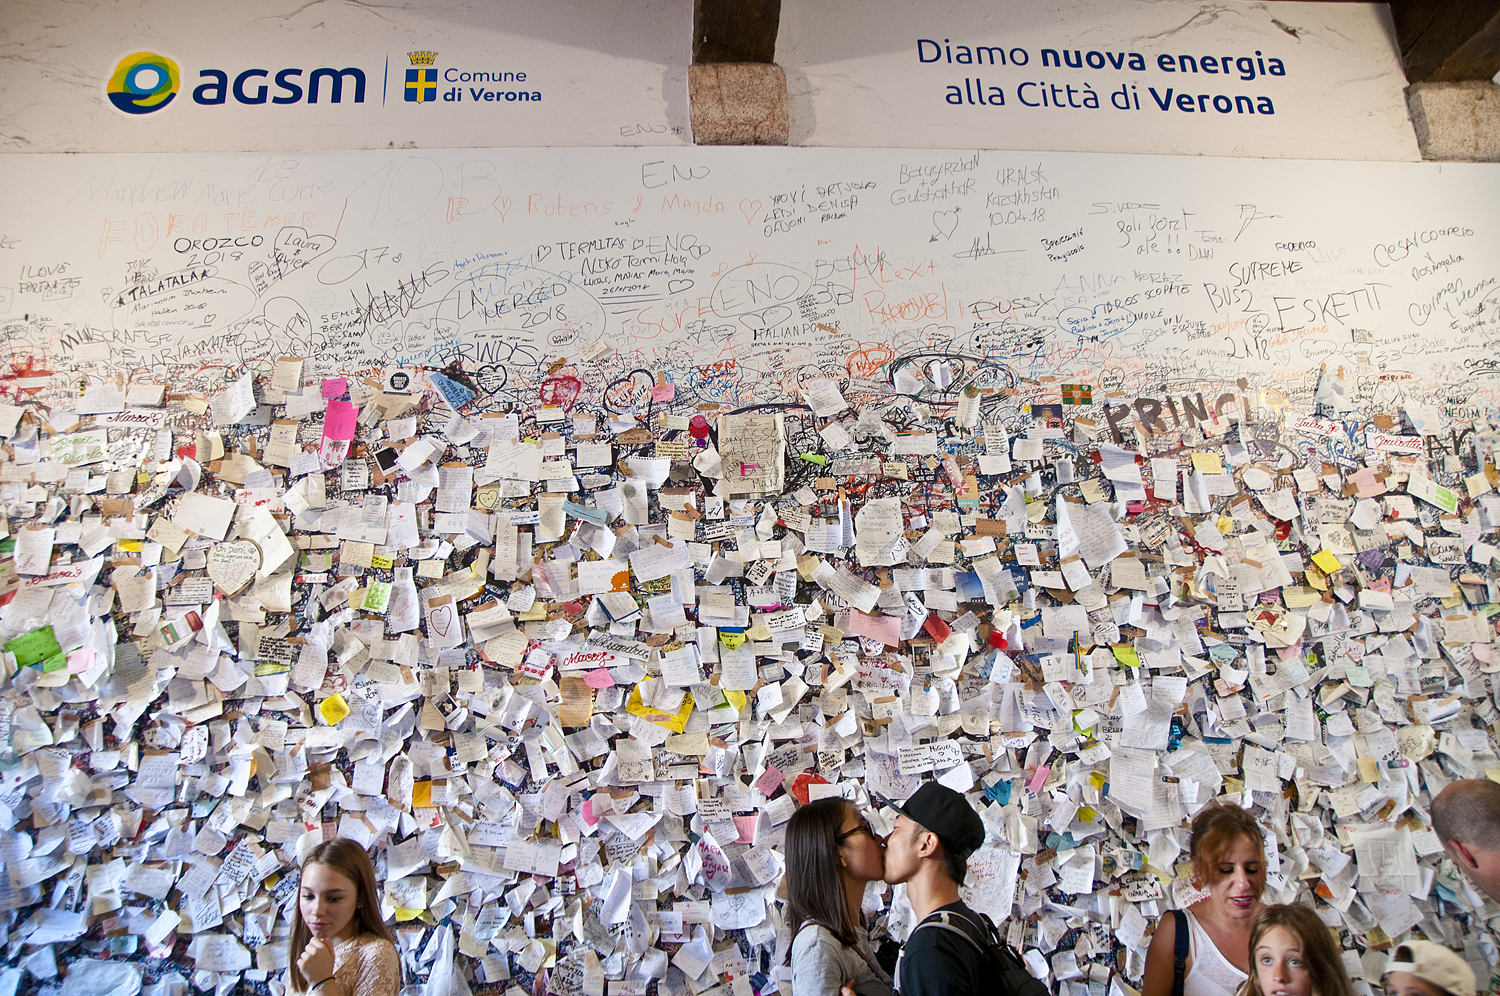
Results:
x,y
831,853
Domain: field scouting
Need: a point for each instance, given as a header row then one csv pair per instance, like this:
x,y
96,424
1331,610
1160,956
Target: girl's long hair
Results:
x,y
350,860
1319,952
814,884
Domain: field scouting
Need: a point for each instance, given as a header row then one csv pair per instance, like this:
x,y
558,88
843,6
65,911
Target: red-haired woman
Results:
x,y
1229,860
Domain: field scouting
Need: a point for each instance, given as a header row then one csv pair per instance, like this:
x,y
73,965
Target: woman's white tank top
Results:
x,y
1212,973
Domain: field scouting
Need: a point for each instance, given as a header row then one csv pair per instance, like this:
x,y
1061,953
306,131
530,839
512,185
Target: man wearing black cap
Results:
x,y
929,850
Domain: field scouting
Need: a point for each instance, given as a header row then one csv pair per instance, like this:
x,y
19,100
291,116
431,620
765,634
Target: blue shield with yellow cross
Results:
x,y
421,85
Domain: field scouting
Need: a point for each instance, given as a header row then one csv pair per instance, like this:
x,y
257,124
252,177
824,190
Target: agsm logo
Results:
x,y
146,82
143,82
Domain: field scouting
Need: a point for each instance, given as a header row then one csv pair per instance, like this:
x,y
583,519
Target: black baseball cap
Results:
x,y
947,814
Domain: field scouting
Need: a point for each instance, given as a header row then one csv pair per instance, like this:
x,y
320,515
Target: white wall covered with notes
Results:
x,y
553,523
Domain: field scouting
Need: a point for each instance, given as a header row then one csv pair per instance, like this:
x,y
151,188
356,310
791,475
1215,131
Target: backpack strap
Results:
x,y
940,919
1180,951
943,923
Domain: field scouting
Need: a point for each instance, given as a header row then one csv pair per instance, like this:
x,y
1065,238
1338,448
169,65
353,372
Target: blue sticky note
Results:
x,y
454,393
999,793
597,516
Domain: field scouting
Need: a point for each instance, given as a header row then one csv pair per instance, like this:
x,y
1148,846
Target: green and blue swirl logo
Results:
x,y
143,82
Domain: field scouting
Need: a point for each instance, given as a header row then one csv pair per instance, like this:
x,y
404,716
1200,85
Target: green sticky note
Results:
x,y
1222,653
56,662
377,597
34,647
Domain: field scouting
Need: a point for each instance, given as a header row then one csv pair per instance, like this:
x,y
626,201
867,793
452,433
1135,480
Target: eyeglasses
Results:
x,y
863,827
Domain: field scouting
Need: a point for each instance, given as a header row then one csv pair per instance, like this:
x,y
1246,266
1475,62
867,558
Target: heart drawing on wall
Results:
x,y
440,619
232,565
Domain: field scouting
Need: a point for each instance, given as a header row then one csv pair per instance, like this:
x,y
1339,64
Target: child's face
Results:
x,y
329,900
1280,966
1407,984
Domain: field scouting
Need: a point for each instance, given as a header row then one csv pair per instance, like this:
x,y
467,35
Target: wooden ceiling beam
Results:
x,y
735,30
1450,41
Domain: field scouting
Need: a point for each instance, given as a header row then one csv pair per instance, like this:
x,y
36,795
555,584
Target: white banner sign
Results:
x,y
174,76
1283,80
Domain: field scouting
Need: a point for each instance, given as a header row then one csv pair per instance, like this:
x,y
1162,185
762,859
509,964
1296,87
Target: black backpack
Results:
x,y
1000,958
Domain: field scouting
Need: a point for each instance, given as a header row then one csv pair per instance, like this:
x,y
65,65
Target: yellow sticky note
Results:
x,y
421,794
1326,561
637,707
1125,654
1299,597
1208,463
1369,770
405,915
333,709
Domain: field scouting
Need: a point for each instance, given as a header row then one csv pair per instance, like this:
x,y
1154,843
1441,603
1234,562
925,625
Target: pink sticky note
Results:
x,y
80,661
770,780
886,629
338,431
587,812
1039,778
339,420
663,392
335,387
1366,484
599,678
746,826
